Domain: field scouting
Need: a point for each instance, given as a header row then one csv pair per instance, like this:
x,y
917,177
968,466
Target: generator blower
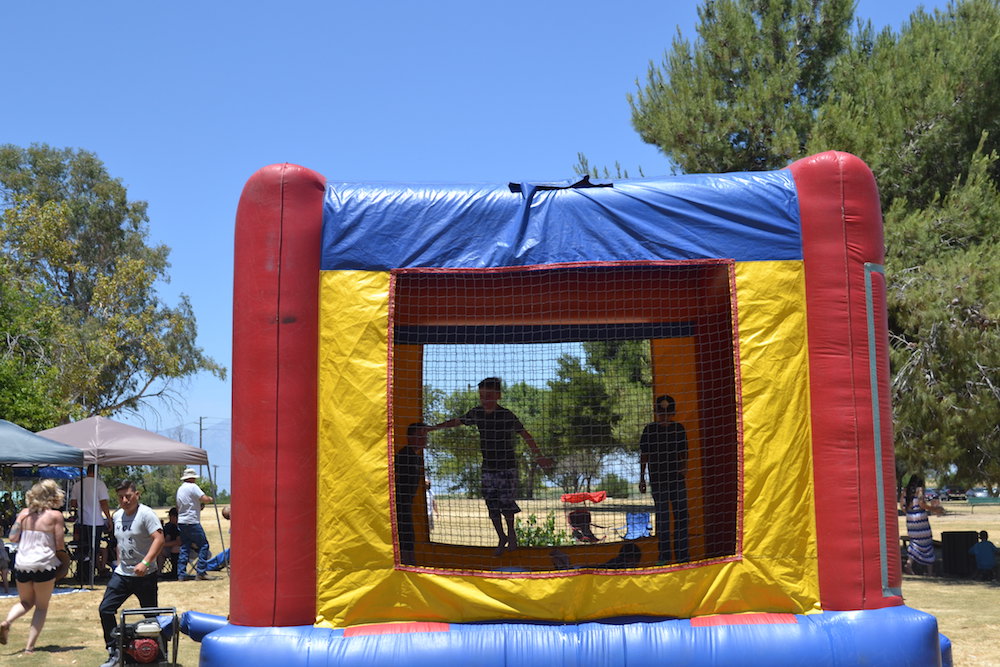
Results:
x,y
146,641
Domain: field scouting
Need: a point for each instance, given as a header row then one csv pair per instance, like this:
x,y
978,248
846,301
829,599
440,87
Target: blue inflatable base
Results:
x,y
898,636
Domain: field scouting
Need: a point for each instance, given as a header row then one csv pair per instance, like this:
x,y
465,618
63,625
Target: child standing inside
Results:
x,y
497,426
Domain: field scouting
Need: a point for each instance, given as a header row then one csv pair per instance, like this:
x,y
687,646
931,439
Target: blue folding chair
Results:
x,y
637,525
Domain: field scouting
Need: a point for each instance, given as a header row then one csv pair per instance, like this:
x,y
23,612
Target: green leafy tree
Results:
x,y
616,485
914,105
29,322
626,370
744,95
90,320
946,343
28,389
528,403
920,108
159,485
454,452
767,83
581,418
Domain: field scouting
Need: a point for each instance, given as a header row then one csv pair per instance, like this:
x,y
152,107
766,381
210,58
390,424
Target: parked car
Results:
x,y
978,492
931,494
951,493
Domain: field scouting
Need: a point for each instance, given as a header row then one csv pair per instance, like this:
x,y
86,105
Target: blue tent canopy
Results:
x,y
19,445
48,472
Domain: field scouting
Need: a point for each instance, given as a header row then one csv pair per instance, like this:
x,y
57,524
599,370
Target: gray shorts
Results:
x,y
499,489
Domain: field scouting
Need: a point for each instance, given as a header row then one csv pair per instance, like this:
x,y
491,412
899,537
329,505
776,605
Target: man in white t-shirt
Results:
x,y
90,521
189,500
140,537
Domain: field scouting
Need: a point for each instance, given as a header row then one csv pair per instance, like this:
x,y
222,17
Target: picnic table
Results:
x,y
976,500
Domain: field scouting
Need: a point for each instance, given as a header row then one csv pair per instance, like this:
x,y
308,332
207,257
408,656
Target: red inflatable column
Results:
x,y
276,292
849,382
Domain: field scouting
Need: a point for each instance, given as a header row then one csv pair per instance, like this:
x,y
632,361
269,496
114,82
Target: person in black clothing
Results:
x,y
497,426
171,545
408,469
663,452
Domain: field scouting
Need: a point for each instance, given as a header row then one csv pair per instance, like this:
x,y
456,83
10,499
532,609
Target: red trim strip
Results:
x,y
396,628
764,618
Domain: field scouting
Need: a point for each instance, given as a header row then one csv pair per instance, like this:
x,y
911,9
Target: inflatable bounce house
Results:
x,y
728,499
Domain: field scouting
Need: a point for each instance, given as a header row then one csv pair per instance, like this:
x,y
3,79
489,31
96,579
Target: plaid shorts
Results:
x,y
499,488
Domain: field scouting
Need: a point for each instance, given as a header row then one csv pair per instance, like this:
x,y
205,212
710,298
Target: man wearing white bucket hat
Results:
x,y
189,500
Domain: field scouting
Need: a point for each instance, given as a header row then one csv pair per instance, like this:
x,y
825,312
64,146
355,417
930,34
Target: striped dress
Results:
x,y
918,527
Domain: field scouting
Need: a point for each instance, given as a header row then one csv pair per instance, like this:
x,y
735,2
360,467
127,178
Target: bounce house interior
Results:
x,y
630,422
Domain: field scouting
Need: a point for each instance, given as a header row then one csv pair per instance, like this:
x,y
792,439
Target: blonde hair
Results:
x,y
44,495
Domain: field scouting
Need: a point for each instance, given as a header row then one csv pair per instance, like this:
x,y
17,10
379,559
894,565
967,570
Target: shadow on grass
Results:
x,y
950,581
53,648
40,651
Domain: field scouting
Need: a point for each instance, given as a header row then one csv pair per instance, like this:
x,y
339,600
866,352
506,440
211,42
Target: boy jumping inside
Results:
x,y
497,426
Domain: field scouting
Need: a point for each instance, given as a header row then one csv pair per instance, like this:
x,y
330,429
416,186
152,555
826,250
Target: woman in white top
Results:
x,y
39,532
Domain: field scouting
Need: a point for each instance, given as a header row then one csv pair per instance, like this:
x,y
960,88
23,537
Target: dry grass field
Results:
x,y
968,612
466,521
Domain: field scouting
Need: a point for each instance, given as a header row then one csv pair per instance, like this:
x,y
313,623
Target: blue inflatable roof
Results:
x,y
742,216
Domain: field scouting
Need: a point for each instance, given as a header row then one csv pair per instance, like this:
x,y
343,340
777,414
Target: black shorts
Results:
x,y
499,490
39,577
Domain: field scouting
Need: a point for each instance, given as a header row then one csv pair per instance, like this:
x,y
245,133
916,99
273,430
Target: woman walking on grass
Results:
x,y
39,533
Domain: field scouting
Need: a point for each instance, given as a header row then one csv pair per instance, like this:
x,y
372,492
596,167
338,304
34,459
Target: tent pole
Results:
x,y
93,529
215,502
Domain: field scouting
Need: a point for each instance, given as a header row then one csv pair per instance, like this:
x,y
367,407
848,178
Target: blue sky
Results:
x,y
184,101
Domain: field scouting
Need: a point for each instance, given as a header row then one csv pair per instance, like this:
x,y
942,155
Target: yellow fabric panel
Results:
x,y
356,579
778,512
353,528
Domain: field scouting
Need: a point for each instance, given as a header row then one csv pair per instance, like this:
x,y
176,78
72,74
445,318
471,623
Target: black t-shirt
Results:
x,y
171,531
665,446
496,436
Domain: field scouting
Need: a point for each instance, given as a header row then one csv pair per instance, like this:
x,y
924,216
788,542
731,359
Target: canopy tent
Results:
x,y
25,471
106,442
19,445
109,443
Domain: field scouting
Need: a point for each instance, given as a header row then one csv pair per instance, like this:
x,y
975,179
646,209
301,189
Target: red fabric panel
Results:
x,y
593,496
396,628
275,302
841,231
765,618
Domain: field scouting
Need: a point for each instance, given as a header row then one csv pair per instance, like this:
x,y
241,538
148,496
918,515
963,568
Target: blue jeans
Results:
x,y
219,561
119,589
192,534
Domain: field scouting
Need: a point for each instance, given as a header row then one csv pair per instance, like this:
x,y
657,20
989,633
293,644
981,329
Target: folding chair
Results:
x,y
636,525
580,526
579,520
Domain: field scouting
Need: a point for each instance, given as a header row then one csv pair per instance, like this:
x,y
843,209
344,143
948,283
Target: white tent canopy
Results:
x,y
110,443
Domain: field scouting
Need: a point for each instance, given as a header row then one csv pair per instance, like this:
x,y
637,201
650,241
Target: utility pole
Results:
x,y
200,430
